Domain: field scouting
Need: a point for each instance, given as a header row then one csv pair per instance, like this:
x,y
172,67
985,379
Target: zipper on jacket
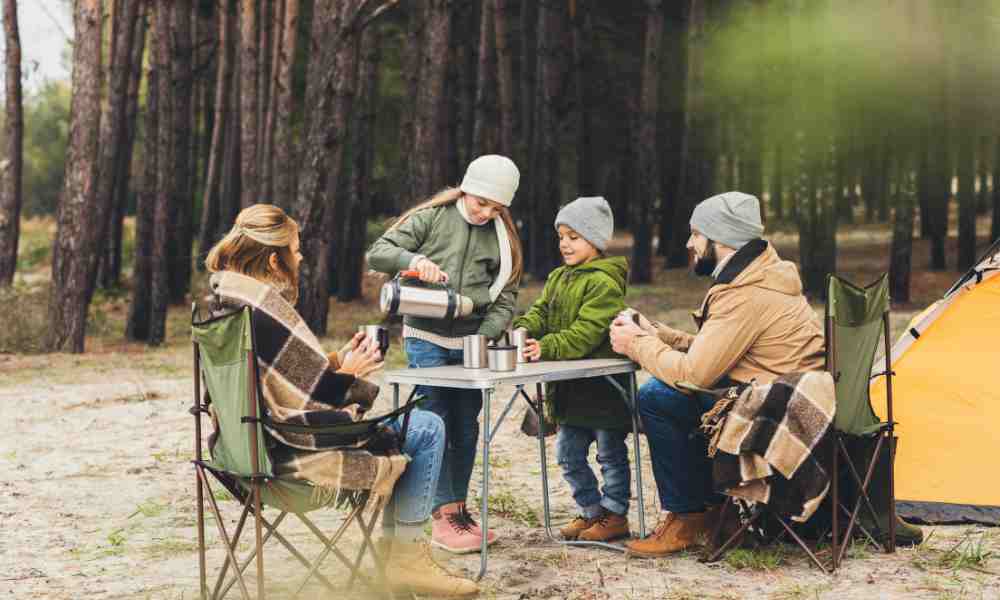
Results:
x,y
461,276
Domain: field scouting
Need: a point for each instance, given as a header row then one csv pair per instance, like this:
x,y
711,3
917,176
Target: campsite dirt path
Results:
x,y
97,501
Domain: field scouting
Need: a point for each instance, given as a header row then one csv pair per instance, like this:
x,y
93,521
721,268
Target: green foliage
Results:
x,y
24,325
46,131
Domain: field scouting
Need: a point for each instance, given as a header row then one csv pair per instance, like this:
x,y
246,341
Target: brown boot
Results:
x,y
574,528
412,569
609,526
673,533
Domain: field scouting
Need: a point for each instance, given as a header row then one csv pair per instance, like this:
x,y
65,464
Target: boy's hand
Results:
x,y
532,349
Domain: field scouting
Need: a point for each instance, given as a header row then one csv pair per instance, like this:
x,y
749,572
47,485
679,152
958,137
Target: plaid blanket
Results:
x,y
768,441
300,388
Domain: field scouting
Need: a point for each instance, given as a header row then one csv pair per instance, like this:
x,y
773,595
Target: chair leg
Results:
x,y
260,543
216,593
199,494
835,502
225,537
864,495
331,548
379,560
738,535
802,544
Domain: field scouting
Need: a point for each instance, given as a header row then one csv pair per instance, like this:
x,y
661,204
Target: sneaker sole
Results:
x,y
453,550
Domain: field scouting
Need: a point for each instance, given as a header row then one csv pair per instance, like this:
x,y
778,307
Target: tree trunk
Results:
x,y
777,182
546,193
528,77
505,77
284,169
425,161
182,206
229,200
483,136
966,168
210,213
995,223
697,142
12,169
112,261
137,327
264,31
900,266
671,122
363,160
114,136
648,180
582,40
81,214
413,49
464,74
166,182
332,74
267,156
248,103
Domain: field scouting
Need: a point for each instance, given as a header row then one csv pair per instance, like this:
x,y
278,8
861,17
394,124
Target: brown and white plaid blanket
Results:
x,y
768,442
299,387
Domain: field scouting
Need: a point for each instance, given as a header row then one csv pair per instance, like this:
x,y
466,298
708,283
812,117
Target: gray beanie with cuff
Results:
x,y
591,217
730,218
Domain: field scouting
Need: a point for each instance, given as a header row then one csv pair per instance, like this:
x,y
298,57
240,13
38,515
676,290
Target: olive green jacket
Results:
x,y
469,254
571,321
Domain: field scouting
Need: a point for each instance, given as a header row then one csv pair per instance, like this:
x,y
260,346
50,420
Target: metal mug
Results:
x,y
519,338
502,358
474,352
377,332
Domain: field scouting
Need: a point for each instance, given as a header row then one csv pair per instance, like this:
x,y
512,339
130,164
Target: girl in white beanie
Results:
x,y
464,236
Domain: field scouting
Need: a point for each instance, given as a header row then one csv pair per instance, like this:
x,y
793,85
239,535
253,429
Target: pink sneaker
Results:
x,y
476,529
452,530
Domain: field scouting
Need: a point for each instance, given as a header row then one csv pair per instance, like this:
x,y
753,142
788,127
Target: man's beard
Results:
x,y
705,265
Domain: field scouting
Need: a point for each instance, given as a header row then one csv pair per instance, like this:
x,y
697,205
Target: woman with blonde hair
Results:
x,y
257,264
464,236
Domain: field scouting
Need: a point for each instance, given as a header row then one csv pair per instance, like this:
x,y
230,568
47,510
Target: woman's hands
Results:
x,y
340,356
532,349
363,358
430,272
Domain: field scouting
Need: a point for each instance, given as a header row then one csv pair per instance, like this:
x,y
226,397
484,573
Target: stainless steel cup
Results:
x,y
502,358
474,352
379,333
519,338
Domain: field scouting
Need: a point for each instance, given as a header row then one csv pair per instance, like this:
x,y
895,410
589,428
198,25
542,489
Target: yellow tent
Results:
x,y
946,402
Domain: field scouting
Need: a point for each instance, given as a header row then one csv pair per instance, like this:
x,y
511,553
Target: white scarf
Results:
x,y
506,258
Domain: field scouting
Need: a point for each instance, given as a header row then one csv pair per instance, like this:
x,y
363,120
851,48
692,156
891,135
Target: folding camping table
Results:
x,y
538,373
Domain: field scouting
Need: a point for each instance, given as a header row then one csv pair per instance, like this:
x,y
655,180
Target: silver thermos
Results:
x,y
402,296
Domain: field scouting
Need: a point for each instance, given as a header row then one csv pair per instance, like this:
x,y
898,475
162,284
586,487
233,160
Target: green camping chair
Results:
x,y
855,319
224,359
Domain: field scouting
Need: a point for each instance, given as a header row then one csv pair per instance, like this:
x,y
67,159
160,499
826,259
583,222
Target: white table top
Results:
x,y
457,376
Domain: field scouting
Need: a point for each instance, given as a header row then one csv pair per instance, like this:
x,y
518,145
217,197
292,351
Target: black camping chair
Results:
x,y
225,360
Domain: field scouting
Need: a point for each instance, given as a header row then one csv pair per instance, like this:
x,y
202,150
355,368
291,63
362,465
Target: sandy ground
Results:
x,y
97,501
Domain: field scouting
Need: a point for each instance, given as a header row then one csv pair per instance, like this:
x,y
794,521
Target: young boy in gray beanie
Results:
x,y
570,321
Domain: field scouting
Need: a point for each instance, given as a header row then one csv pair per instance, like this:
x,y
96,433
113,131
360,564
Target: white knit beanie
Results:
x,y
731,218
492,177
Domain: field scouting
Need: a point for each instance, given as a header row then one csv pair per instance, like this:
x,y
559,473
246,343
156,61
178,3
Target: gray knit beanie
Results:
x,y
731,218
590,217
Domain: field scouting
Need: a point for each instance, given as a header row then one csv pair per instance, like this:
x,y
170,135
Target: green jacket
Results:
x,y
571,321
469,254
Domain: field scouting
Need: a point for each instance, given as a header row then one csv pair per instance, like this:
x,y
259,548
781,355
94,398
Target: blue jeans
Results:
x,y
460,411
411,499
681,466
572,448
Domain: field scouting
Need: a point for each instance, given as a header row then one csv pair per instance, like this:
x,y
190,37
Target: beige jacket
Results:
x,y
754,324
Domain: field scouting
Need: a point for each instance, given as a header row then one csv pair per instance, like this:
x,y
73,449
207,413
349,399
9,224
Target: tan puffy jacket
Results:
x,y
754,324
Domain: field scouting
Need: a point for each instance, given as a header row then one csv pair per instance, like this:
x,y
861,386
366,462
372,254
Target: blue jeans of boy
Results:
x,y
681,466
459,409
572,448
411,499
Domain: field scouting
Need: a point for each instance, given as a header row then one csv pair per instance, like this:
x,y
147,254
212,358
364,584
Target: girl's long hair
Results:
x,y
260,231
451,195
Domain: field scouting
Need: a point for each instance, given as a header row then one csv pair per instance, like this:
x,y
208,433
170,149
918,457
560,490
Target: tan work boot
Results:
x,y
673,533
608,527
574,528
411,568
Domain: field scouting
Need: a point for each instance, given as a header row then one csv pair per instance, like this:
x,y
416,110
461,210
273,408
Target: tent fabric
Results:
x,y
947,405
857,326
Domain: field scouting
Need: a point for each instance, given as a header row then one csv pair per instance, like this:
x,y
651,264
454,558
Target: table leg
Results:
x,y
395,396
634,405
540,413
484,514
